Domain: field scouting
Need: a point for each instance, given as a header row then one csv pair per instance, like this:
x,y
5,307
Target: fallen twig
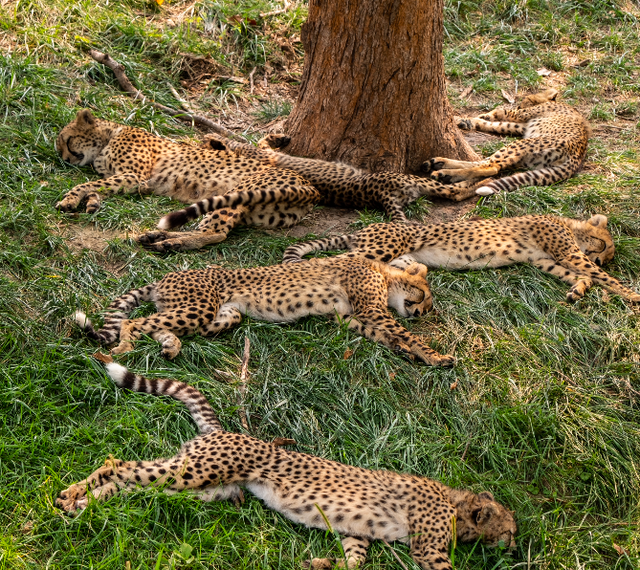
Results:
x,y
464,453
395,554
183,103
125,83
244,372
251,80
279,10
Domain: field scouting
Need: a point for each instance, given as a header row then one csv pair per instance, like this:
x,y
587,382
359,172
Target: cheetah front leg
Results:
x,y
355,554
89,190
505,128
430,550
439,163
379,326
580,272
105,482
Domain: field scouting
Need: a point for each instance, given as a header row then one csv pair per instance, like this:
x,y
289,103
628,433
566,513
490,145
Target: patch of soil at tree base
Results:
x,y
446,211
321,221
475,138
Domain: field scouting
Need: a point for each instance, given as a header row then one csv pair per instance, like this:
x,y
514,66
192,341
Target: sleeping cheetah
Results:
x,y
361,504
133,160
337,185
554,145
211,300
569,249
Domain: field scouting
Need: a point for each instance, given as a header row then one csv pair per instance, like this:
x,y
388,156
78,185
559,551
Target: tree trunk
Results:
x,y
373,90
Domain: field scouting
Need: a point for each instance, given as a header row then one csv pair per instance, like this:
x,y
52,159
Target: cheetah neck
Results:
x,y
460,499
109,130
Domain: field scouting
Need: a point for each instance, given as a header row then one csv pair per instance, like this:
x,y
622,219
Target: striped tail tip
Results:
x,y
181,217
82,320
485,191
165,222
86,325
116,372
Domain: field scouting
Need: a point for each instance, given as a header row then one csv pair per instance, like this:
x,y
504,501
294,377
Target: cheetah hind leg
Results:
x,y
355,554
214,228
164,327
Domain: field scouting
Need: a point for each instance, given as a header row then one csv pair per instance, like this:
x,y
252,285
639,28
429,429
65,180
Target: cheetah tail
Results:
x,y
295,253
201,411
86,325
231,200
540,177
117,312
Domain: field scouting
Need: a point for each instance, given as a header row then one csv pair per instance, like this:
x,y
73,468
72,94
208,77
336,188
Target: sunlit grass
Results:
x,y
541,408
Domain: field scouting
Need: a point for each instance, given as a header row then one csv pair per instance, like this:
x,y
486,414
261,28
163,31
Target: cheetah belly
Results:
x,y
438,258
290,308
306,512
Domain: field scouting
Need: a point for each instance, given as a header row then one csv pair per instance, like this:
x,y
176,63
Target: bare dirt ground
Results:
x,y
80,238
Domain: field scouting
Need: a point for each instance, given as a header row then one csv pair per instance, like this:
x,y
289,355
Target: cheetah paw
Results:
x,y
463,123
73,499
171,352
320,563
123,347
432,164
446,360
65,206
274,141
150,237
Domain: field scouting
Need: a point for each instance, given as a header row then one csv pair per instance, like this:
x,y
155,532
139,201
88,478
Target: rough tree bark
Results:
x,y
373,91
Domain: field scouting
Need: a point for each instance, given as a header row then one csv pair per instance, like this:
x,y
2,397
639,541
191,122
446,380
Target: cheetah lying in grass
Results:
x,y
336,184
554,145
211,300
134,160
360,504
570,249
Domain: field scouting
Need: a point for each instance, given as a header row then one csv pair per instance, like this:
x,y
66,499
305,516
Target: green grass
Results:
x,y
544,412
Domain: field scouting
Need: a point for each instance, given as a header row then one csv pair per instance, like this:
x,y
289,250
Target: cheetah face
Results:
x,y
485,519
538,98
79,142
409,292
595,240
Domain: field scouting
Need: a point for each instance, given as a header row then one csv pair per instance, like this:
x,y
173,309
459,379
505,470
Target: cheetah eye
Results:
x,y
78,155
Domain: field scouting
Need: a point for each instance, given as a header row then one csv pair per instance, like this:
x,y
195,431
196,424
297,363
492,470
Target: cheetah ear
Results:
x,y
486,513
214,144
85,117
599,221
486,495
552,94
418,269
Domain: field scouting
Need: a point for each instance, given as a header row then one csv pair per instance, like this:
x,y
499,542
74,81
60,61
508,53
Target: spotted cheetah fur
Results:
x,y
361,504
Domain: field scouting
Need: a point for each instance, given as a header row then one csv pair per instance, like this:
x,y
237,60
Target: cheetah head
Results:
x,y
481,517
81,140
594,239
502,113
409,292
538,98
